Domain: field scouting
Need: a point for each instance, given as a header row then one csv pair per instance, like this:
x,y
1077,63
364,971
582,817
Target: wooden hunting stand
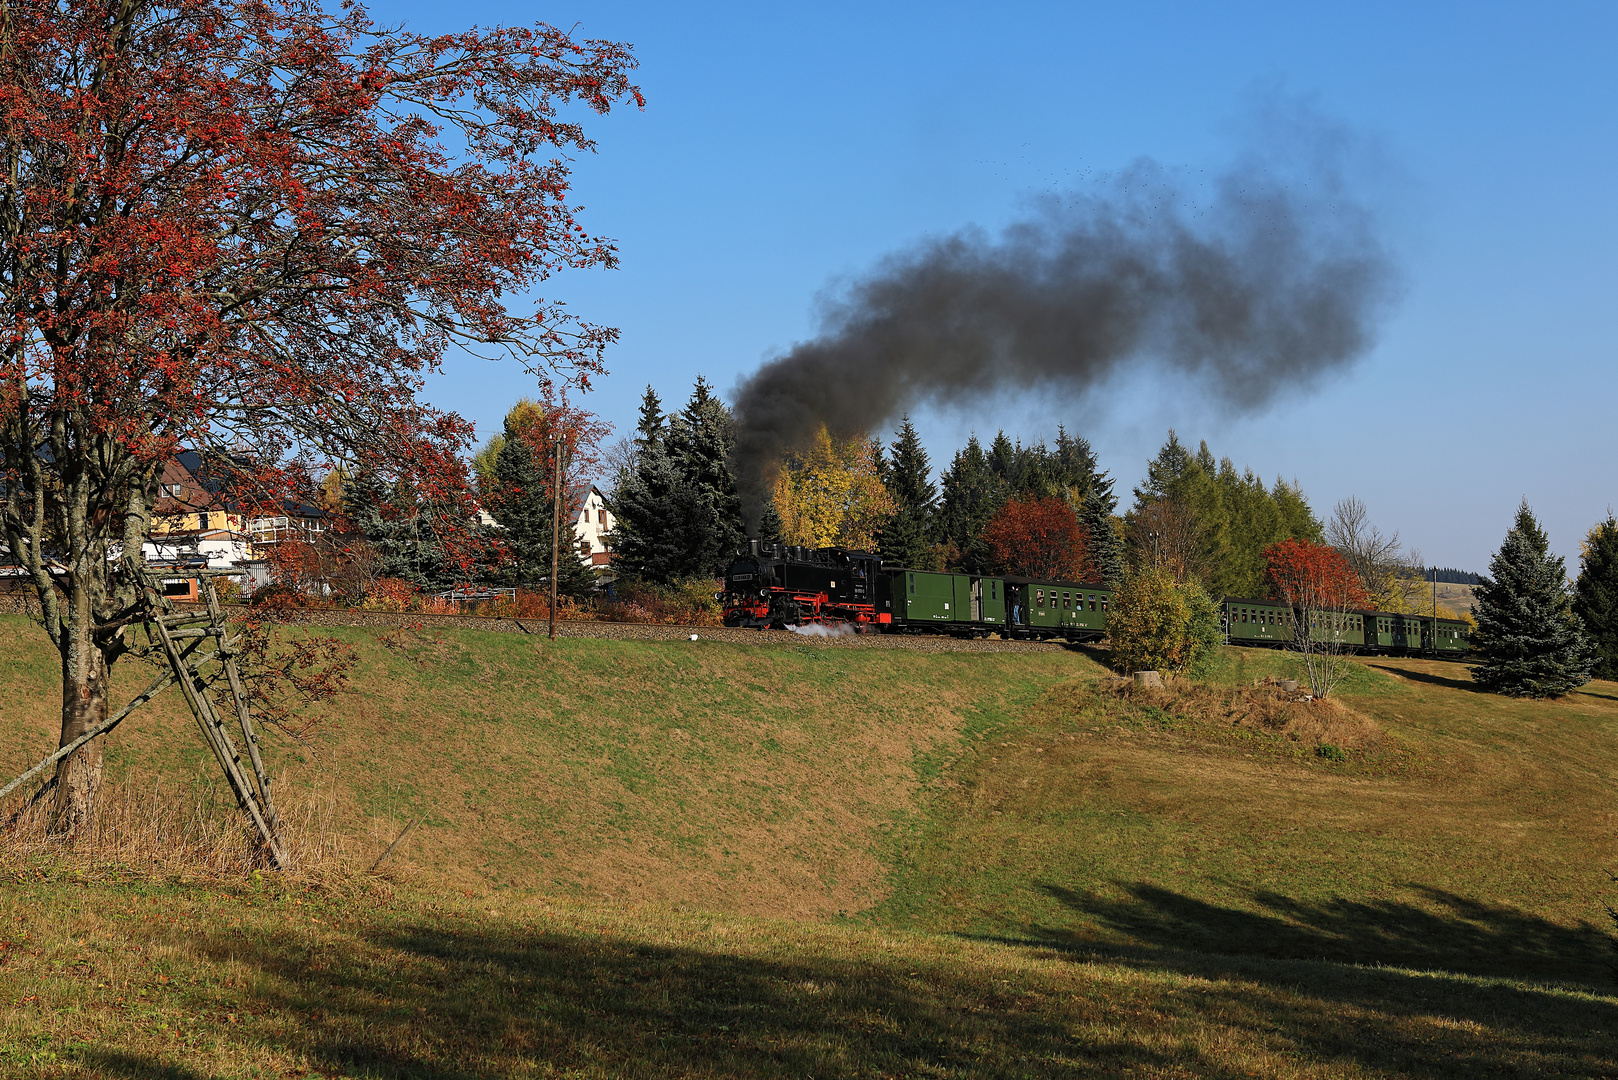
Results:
x,y
183,637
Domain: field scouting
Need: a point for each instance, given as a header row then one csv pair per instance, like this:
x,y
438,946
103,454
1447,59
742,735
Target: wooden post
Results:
x,y
556,532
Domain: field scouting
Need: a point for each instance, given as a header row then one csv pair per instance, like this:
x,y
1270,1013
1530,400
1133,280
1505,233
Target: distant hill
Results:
x,y
1448,575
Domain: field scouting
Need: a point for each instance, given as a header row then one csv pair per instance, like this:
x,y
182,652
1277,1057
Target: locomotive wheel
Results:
x,y
785,613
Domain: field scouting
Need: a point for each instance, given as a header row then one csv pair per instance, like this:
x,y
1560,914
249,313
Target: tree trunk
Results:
x,y
84,705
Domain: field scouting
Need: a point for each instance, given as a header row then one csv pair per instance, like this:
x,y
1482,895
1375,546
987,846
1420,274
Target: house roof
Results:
x,y
201,490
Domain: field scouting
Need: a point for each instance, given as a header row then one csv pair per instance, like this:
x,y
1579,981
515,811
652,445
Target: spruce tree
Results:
x,y
649,425
907,535
644,545
1166,473
400,529
769,522
972,492
524,506
1530,641
1076,468
701,444
1595,595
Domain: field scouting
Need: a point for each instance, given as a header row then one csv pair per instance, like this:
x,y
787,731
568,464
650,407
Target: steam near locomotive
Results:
x,y
775,586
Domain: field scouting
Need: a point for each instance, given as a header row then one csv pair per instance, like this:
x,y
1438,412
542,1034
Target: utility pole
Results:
x,y
556,528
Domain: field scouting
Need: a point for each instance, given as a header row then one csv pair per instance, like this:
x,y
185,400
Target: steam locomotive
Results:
x,y
774,586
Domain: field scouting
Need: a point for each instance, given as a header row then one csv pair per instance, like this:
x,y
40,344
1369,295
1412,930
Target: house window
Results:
x,y
176,587
170,490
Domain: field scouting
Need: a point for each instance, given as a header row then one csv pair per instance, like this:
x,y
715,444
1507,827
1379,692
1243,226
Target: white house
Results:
x,y
592,530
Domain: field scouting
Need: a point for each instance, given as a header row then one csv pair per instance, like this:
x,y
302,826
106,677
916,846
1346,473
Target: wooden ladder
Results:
x,y
182,635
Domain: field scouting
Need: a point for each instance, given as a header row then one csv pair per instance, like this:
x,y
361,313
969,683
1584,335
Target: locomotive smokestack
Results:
x,y
1269,284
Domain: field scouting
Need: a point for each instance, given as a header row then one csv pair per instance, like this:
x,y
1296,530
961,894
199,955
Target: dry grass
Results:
x,y
193,833
127,980
1292,717
752,779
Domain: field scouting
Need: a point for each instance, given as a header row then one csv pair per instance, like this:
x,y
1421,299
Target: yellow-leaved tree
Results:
x,y
830,494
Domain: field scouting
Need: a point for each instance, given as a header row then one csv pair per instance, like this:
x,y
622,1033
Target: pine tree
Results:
x,y
907,535
399,528
1075,467
1595,595
972,492
701,445
524,505
1530,641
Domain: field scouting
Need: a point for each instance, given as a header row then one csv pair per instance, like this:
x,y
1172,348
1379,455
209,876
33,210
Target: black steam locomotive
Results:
x,y
774,586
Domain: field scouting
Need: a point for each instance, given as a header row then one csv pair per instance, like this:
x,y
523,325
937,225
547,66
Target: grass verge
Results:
x,y
141,979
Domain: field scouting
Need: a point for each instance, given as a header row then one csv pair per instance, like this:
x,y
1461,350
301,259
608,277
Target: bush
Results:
x,y
389,594
1158,623
689,601
536,604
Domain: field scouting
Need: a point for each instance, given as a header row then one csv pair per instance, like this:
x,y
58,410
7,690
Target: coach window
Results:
x,y
1103,603
1092,601
1040,602
1067,600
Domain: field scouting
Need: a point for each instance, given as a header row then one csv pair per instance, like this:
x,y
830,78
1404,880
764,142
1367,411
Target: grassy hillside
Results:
x,y
756,780
675,858
1466,831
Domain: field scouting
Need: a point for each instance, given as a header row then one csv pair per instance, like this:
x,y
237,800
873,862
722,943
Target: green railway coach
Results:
x,y
923,597
1257,622
1065,609
1271,622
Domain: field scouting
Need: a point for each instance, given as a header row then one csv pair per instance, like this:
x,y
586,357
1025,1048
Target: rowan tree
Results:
x,y
1323,590
1033,537
249,228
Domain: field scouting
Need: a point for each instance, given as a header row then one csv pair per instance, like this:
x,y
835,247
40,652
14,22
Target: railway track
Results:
x,y
623,631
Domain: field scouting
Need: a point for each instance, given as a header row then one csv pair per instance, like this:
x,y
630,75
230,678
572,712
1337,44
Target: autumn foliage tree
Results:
x,y
1313,577
1039,537
1323,589
249,228
831,493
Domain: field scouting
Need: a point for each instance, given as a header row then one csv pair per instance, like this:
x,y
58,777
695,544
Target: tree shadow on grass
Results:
x,y
1430,677
458,999
1446,933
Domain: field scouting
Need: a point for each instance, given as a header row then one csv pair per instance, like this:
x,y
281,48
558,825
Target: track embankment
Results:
x,y
591,628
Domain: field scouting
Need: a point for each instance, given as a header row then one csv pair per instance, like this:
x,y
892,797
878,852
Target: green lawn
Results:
x,y
675,859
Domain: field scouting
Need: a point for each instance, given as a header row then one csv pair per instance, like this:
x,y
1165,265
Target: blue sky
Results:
x,y
786,149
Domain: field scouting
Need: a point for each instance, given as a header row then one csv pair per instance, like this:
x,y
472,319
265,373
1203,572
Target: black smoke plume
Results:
x,y
1269,283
